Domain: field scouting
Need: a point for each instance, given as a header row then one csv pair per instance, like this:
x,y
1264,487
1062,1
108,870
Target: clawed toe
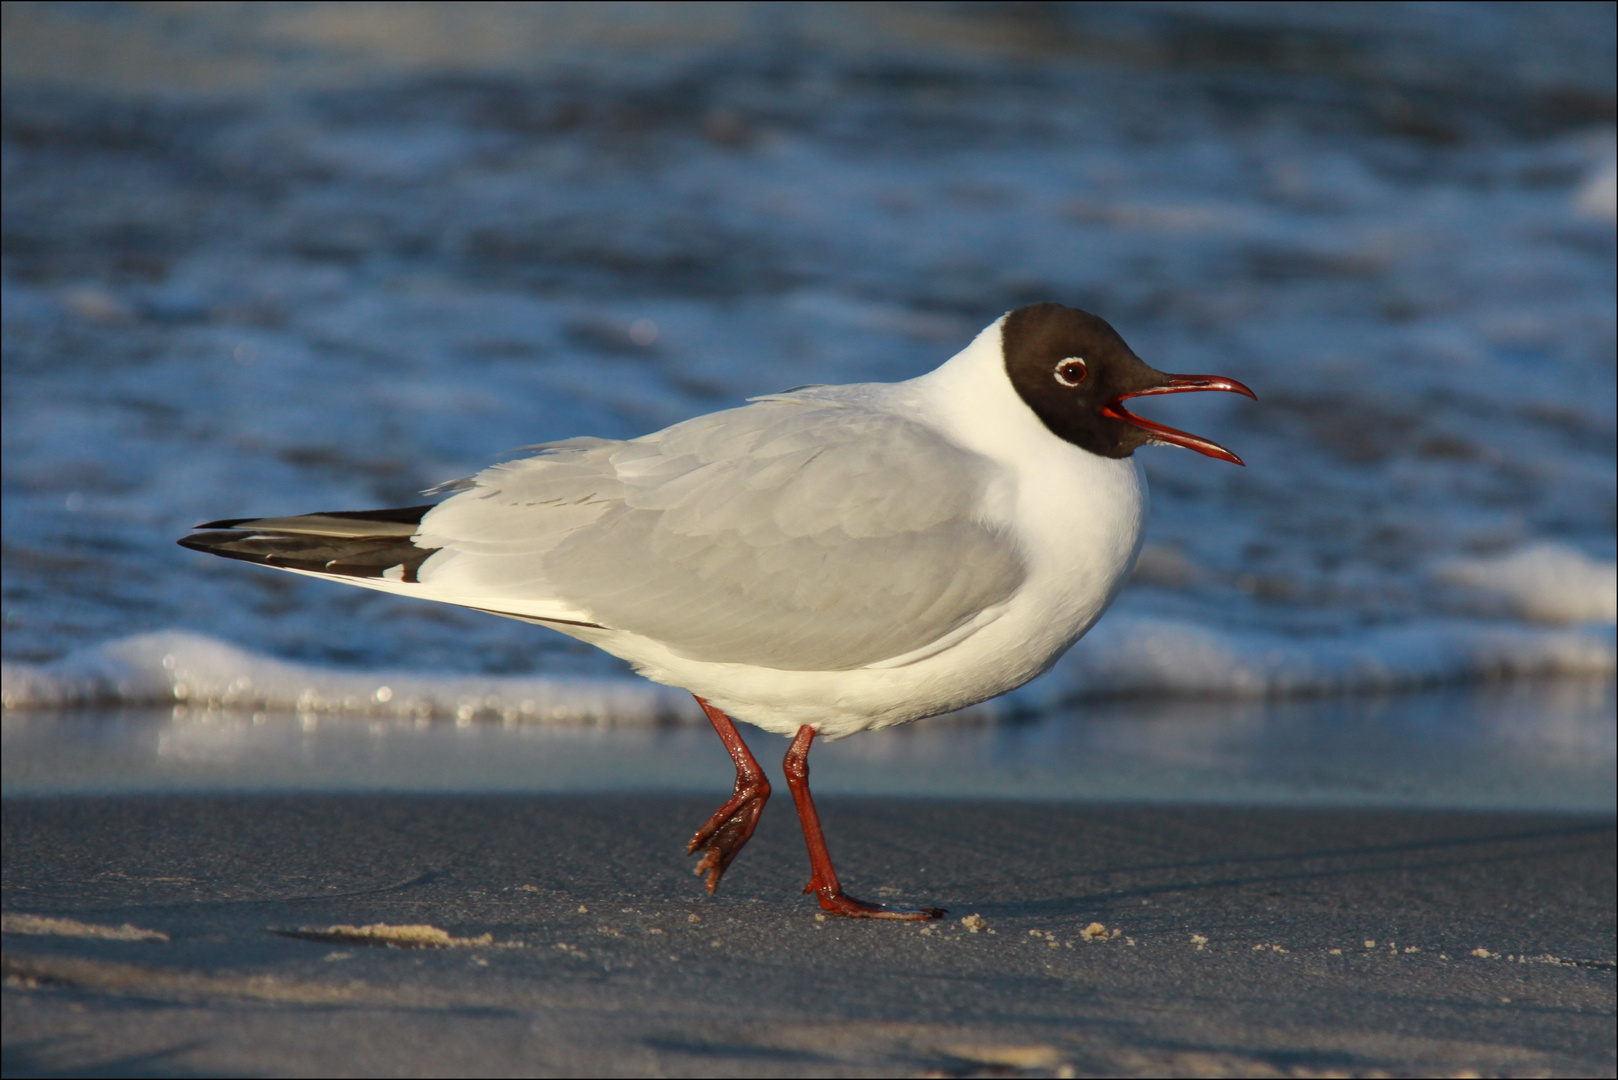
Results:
x,y
724,835
840,903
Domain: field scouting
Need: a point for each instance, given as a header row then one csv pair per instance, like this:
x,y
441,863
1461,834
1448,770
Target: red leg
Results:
x,y
824,880
727,832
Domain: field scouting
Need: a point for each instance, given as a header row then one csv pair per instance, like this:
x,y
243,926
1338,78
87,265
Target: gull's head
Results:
x,y
1075,372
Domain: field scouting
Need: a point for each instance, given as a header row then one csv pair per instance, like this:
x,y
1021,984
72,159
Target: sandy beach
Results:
x,y
1329,792
1114,939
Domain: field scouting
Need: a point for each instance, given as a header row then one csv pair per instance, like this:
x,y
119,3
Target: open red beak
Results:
x,y
1180,384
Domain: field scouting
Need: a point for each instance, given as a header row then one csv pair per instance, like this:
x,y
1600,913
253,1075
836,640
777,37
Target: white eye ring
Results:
x,y
1067,376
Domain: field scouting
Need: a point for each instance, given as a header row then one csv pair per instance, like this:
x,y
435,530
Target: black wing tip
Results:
x,y
217,543
196,541
402,515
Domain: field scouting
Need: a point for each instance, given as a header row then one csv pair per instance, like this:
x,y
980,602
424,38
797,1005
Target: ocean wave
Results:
x,y
1143,656
179,668
1544,583
1427,319
1129,656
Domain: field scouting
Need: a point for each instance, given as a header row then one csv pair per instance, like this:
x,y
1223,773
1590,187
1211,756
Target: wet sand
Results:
x,y
1531,746
1226,957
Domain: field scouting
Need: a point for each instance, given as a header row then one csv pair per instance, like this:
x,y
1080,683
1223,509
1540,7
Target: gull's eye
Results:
x,y
1072,371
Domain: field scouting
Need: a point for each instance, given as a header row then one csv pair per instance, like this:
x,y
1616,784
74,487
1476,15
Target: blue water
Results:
x,y
358,268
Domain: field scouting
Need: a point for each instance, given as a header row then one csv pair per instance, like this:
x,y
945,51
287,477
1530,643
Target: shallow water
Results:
x,y
1544,746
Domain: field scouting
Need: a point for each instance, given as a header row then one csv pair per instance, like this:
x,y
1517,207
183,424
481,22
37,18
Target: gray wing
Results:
x,y
793,533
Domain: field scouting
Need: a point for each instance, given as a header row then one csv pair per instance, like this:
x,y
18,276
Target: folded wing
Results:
x,y
800,533
793,533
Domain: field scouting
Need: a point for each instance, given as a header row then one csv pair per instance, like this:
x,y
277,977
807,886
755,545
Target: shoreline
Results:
x,y
1539,747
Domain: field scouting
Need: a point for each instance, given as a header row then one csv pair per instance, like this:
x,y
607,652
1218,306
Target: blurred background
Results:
x,y
274,258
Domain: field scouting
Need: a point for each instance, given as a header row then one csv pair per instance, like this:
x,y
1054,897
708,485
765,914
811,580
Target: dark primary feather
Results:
x,y
360,543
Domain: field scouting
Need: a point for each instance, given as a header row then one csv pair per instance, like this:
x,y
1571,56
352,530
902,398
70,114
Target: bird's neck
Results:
x,y
970,399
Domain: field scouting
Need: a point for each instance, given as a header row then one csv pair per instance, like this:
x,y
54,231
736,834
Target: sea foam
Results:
x,y
1544,583
191,669
1131,656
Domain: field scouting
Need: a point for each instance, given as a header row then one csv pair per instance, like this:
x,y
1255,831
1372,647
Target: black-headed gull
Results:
x,y
817,562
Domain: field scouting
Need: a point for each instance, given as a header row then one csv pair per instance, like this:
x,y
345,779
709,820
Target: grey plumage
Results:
x,y
805,532
810,531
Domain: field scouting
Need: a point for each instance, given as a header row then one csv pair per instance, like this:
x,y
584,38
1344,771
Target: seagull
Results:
x,y
817,562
